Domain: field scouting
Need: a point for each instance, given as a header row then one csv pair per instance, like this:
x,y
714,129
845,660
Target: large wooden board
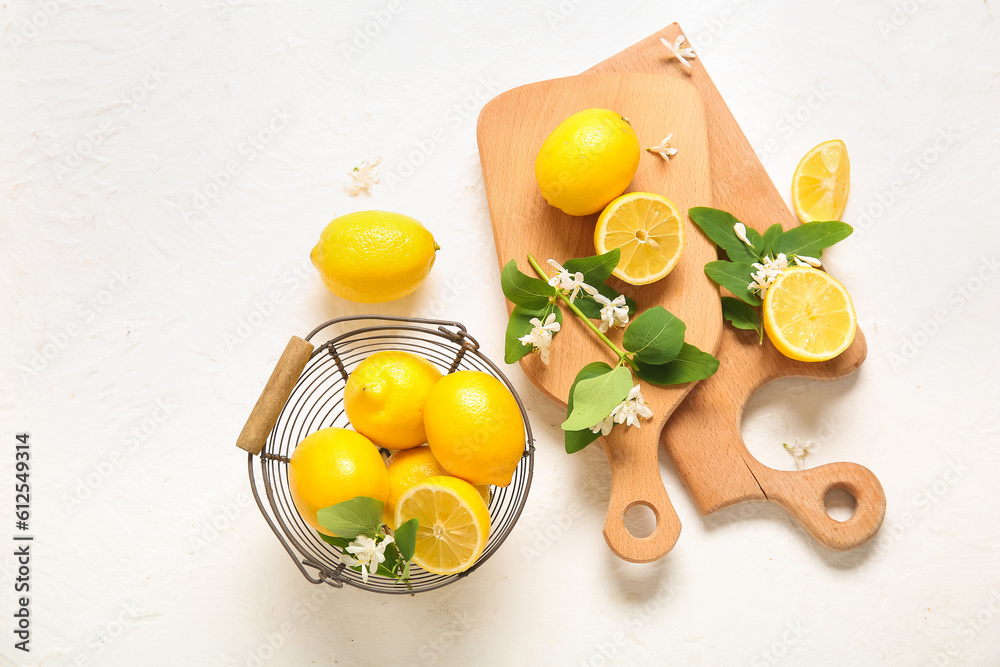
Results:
x,y
703,437
511,129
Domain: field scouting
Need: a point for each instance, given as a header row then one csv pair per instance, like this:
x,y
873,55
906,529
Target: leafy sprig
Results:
x,y
361,517
756,259
652,345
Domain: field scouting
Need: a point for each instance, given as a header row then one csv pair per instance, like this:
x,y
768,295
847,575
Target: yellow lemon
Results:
x,y
374,256
408,467
333,465
808,315
821,182
474,427
650,232
454,524
385,395
587,161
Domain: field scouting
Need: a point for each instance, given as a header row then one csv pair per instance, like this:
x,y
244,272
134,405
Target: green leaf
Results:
x,y
595,398
718,226
690,365
339,542
393,560
811,238
520,325
592,309
405,576
741,315
735,277
595,269
523,290
577,440
406,538
357,516
770,234
655,336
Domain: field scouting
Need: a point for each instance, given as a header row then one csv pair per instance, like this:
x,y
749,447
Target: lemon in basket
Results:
x,y
474,427
333,465
409,467
454,524
385,395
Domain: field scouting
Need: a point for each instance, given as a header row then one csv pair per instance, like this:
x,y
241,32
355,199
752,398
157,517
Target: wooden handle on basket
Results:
x,y
279,387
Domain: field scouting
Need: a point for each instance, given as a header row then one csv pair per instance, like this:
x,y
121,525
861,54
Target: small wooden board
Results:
x,y
511,129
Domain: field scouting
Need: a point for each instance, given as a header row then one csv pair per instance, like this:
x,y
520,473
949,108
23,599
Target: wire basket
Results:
x,y
317,401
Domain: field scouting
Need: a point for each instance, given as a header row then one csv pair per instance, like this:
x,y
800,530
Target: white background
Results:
x,y
130,348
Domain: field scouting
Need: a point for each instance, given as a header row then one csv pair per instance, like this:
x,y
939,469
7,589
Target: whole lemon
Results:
x,y
410,467
374,256
385,395
587,161
333,465
474,427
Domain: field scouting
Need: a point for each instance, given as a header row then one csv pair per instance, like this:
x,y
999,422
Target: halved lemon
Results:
x,y
454,523
650,232
808,315
821,182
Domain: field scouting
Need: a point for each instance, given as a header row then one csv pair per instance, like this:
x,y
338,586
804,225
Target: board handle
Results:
x,y
635,480
272,399
802,493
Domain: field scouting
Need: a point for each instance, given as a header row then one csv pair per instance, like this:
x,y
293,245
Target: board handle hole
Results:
x,y
640,519
840,503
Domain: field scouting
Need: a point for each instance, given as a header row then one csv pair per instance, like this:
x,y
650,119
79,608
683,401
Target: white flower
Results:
x,y
664,149
679,51
805,260
365,175
767,272
563,279
613,313
366,553
540,336
799,452
632,409
741,233
604,426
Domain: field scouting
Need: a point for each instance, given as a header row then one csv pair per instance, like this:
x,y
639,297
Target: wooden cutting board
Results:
x,y
703,437
511,129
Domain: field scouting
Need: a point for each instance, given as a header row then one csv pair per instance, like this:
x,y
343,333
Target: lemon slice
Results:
x,y
454,523
808,315
821,182
650,232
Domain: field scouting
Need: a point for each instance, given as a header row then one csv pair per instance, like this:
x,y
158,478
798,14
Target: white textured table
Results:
x,y
167,168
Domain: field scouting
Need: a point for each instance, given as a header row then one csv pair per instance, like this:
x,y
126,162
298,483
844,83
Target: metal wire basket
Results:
x,y
317,401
